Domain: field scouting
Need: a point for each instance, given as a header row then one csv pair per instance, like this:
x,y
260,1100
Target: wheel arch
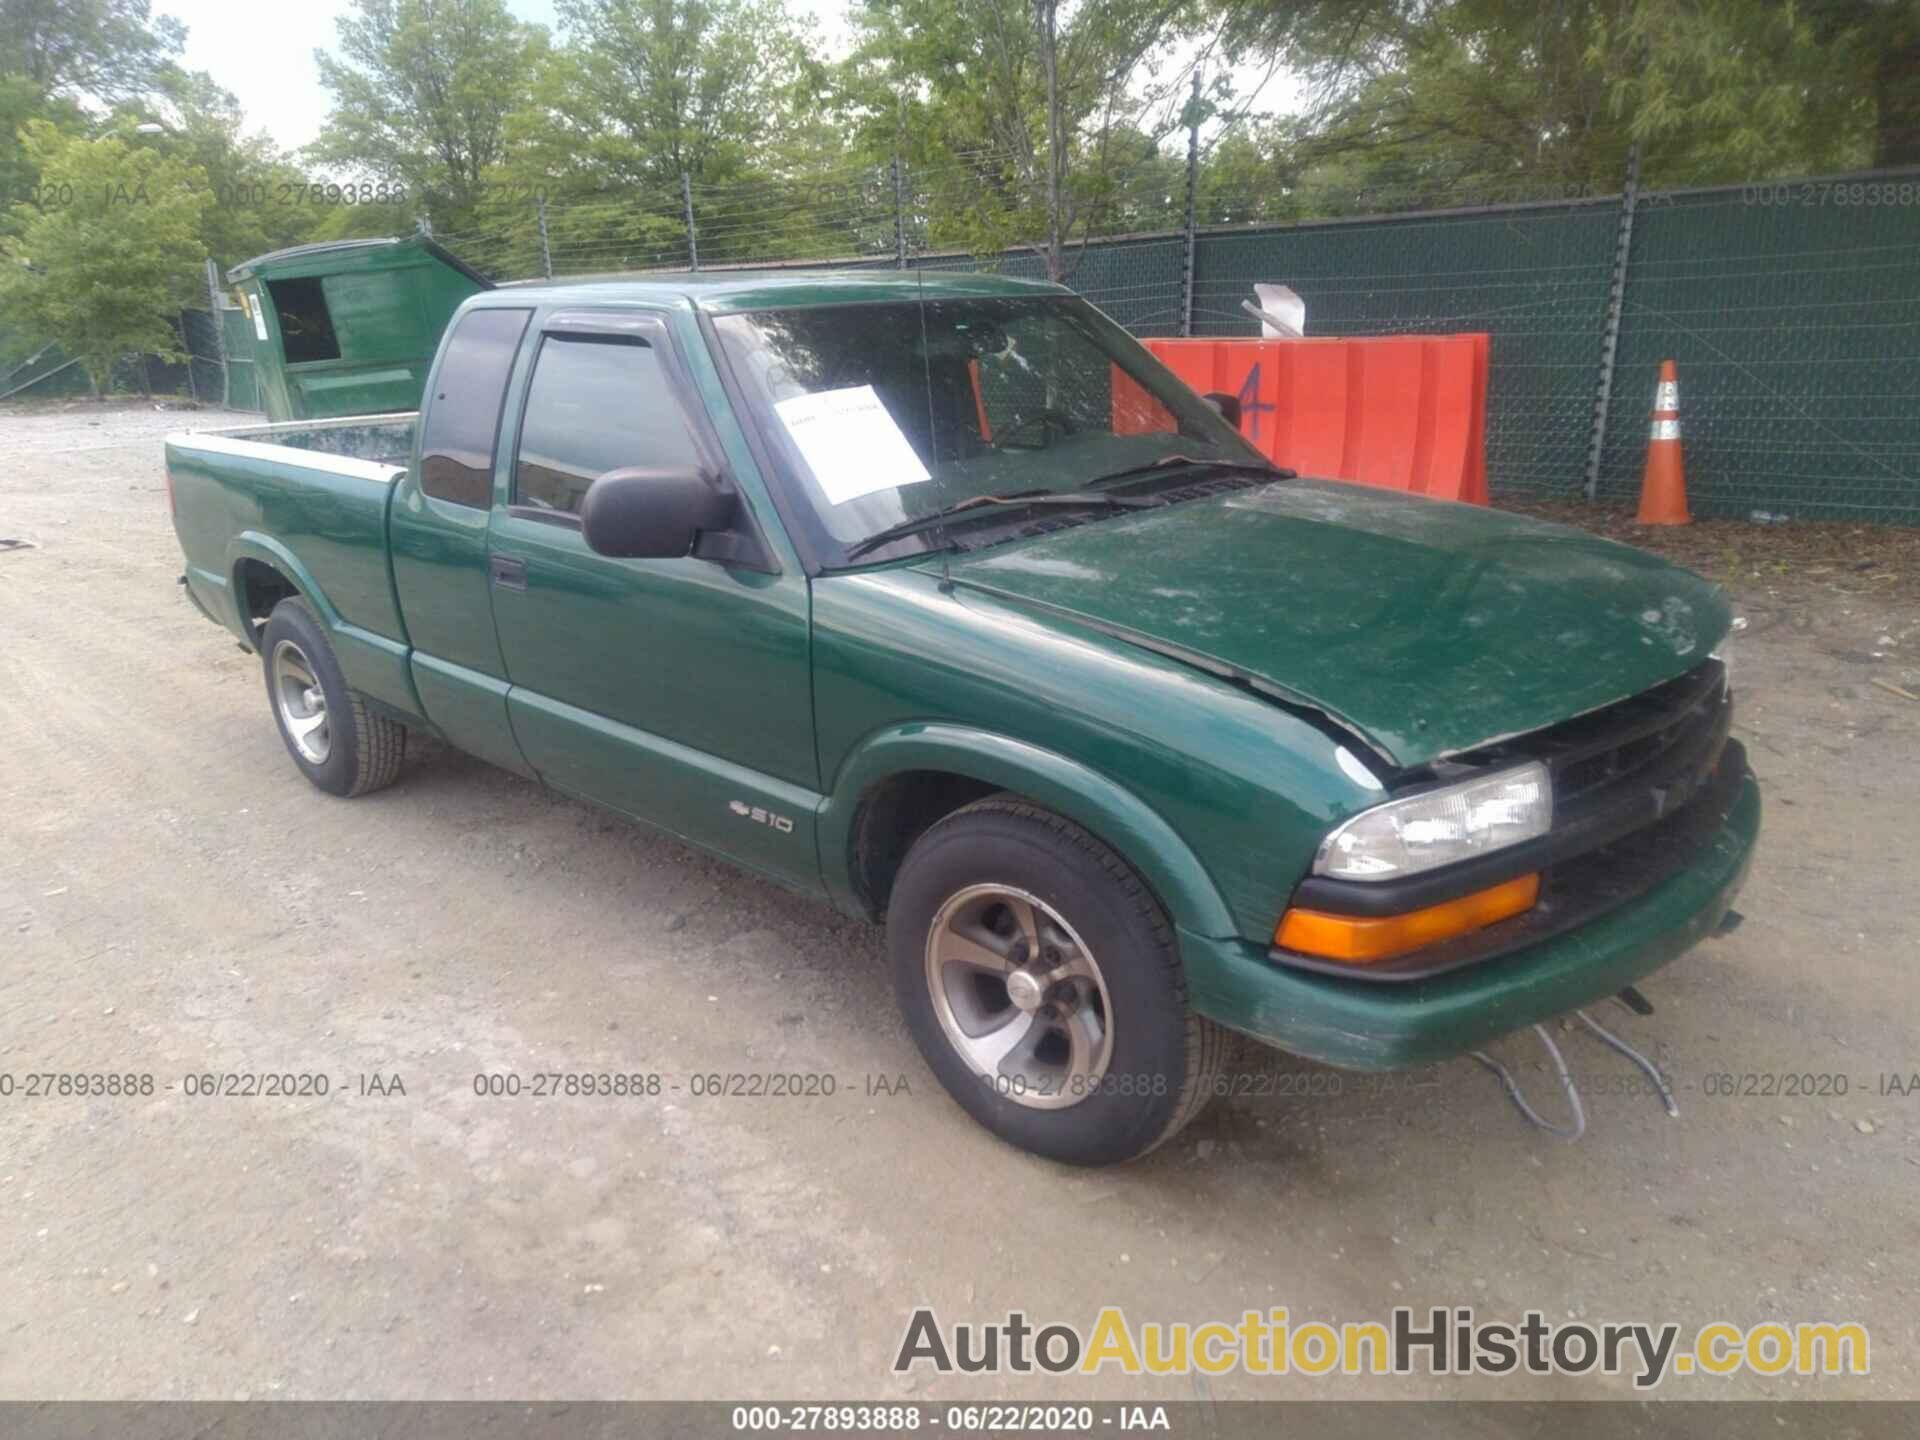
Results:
x,y
254,559
375,665
926,771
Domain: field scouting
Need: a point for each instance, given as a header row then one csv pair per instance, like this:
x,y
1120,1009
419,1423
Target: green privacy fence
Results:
x,y
1792,309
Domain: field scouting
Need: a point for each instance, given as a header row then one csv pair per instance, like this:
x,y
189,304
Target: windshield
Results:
x,y
891,411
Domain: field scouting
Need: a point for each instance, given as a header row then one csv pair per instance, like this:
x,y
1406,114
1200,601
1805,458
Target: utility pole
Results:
x,y
693,238
1193,198
546,250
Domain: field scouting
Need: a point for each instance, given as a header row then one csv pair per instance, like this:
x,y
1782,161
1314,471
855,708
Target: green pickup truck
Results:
x,y
937,596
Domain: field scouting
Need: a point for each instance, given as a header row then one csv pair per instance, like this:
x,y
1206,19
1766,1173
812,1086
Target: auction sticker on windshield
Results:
x,y
850,442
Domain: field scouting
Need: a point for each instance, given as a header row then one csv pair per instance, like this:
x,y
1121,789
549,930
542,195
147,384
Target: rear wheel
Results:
x,y
340,744
1039,977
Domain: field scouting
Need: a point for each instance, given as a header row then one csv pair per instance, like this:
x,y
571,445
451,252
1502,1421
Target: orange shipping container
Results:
x,y
1407,412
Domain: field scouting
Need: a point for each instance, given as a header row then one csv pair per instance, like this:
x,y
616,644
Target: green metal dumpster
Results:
x,y
349,327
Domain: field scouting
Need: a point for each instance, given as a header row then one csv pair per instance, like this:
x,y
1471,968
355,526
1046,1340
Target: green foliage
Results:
x,y
421,94
1248,177
1019,123
109,68
21,100
57,54
362,221
643,92
104,267
257,198
1740,90
1425,103
655,89
961,86
105,50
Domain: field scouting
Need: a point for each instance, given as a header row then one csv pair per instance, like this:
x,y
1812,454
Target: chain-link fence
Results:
x,y
199,371
1793,310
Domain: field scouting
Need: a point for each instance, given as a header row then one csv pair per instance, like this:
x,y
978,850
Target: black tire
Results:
x,y
363,748
1165,1060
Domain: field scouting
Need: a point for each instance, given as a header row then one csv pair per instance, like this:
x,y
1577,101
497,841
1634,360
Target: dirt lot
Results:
x,y
175,900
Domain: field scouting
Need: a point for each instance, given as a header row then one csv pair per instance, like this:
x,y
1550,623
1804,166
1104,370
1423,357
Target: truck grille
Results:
x,y
1666,737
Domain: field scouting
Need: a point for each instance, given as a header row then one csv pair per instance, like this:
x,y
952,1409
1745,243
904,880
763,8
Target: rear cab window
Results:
x,y
462,420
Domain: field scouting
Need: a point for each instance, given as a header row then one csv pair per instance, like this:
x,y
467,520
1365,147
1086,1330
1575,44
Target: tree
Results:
x,y
1887,36
105,263
104,50
657,89
21,101
1419,105
1432,102
60,59
258,199
1740,89
105,67
641,94
1247,176
1026,112
421,93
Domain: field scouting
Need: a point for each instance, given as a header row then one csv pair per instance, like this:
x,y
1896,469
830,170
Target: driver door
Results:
x,y
676,691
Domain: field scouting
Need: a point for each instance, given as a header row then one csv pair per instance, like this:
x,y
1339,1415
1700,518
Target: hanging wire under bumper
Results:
x,y
1577,1126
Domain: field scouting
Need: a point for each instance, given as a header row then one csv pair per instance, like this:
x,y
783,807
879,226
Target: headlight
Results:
x,y
1422,832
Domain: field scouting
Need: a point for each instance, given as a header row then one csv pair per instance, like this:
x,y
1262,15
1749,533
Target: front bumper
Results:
x,y
1359,1026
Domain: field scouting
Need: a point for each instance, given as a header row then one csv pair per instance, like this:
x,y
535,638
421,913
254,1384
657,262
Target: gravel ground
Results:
x,y
175,901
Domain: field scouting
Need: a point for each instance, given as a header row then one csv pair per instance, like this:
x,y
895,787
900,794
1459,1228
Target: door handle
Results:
x,y
509,572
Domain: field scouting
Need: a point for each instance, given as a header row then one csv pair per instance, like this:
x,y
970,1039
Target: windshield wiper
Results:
x,y
1163,467
986,504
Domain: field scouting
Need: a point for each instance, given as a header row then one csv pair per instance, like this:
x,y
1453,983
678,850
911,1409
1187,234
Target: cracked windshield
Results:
x,y
897,411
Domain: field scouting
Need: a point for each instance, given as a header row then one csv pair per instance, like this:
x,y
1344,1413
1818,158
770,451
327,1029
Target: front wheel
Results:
x,y
1039,977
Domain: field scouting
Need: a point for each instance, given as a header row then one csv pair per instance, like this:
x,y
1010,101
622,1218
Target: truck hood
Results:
x,y
1428,628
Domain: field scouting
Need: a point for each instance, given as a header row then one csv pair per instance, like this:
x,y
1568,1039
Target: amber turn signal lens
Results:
x,y
1364,939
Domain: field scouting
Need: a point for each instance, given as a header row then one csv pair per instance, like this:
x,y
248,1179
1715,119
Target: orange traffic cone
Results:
x,y
1663,487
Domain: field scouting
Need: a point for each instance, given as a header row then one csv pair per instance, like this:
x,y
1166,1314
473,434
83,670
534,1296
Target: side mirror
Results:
x,y
649,513
1227,406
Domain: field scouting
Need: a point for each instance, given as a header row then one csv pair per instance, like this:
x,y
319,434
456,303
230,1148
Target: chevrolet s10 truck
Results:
x,y
939,597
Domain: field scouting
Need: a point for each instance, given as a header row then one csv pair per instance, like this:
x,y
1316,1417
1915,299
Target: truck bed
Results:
x,y
308,499
382,439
